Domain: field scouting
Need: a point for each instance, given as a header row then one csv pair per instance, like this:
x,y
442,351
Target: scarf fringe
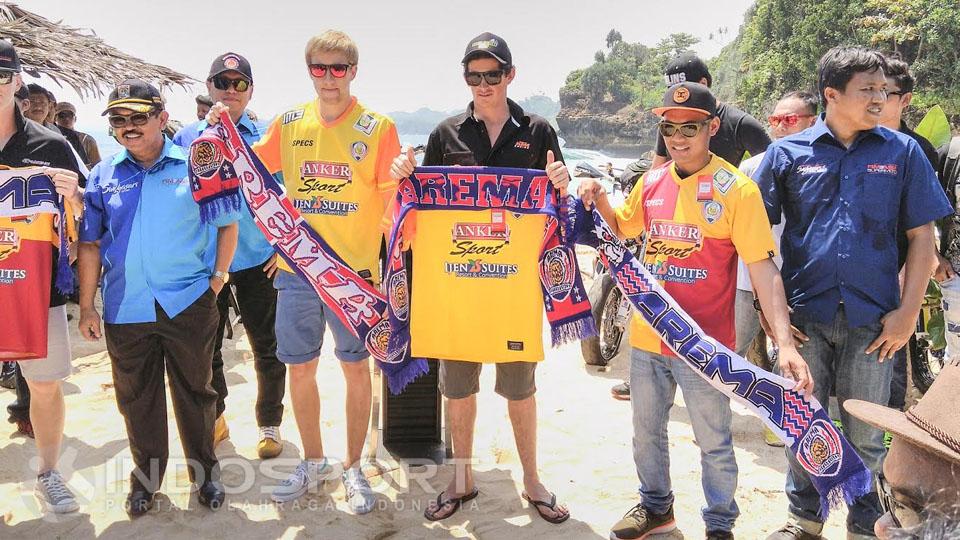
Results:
x,y
574,330
847,492
404,374
213,207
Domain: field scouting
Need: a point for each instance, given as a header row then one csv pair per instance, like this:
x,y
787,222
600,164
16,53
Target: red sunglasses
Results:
x,y
787,119
338,71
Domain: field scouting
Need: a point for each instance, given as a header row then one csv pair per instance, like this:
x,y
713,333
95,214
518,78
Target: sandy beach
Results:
x,y
585,456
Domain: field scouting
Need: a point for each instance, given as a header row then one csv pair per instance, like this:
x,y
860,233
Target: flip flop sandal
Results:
x,y
552,505
456,502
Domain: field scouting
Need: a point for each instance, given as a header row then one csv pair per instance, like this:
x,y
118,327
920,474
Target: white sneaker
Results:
x,y
308,475
359,493
53,493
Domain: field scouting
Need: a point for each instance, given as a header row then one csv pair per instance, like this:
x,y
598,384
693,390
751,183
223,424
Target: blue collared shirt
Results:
x,y
842,208
152,244
252,247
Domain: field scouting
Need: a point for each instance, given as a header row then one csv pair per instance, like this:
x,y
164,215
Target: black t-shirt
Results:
x,y
463,140
33,145
739,133
931,153
948,167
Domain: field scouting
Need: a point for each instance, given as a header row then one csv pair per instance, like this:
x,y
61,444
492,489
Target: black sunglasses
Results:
x,y
902,515
6,77
138,119
688,130
474,78
222,83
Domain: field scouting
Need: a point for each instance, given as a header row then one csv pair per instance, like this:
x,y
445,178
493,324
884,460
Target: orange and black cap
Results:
x,y
688,96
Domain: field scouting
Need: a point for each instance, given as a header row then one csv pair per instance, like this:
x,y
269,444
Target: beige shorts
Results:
x,y
515,380
57,365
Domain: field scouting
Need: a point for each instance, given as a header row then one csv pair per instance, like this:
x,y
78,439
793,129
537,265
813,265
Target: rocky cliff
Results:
x,y
616,128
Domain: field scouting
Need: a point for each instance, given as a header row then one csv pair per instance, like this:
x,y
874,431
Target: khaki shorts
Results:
x,y
56,366
515,380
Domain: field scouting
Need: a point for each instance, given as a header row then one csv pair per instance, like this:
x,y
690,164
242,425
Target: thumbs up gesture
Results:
x,y
557,173
402,166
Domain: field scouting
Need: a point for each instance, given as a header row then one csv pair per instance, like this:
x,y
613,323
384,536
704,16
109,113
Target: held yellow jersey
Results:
x,y
476,292
337,174
694,228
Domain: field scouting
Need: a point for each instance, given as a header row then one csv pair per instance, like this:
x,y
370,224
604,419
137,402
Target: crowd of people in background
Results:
x,y
856,200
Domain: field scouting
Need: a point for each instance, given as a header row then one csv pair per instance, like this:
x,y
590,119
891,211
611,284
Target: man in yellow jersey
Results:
x,y
334,156
697,212
494,131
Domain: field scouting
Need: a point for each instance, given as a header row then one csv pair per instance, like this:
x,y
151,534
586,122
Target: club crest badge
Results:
x,y
557,273
358,150
712,210
205,159
123,91
397,294
231,62
820,451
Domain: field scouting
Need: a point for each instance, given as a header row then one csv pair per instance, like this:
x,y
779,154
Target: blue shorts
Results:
x,y
301,321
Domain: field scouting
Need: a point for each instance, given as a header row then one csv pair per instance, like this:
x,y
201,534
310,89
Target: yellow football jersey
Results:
x,y
337,174
476,292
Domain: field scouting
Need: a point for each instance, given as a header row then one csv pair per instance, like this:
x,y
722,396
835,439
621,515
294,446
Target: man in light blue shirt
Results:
x,y
162,269
230,82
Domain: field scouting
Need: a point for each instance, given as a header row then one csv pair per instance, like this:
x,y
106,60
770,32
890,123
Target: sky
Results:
x,y
409,51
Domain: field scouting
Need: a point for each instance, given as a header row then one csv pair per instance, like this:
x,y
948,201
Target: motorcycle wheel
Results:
x,y
605,299
924,363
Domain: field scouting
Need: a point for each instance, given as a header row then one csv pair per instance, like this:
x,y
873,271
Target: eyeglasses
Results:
x,y
65,115
474,78
138,119
6,77
898,93
688,130
222,83
338,71
789,120
902,515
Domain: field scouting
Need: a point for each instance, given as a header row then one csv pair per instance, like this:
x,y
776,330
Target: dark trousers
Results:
x,y
139,353
257,300
19,409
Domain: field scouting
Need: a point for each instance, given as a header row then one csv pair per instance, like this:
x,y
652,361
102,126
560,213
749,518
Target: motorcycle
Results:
x,y
611,309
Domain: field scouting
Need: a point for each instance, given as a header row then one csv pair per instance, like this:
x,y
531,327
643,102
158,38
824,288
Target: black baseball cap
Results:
x,y
686,67
9,60
487,44
688,96
22,93
231,61
135,95
204,99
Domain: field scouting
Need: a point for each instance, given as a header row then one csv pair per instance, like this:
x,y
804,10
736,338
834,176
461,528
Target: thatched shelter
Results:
x,y
75,56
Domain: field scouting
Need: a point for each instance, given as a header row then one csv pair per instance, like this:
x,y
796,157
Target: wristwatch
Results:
x,y
222,276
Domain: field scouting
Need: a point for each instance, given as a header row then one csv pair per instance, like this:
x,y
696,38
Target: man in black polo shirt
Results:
x,y
24,143
493,131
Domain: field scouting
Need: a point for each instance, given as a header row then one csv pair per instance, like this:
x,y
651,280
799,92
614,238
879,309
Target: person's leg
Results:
x,y
219,381
820,354
19,409
47,415
187,341
864,377
136,359
516,381
710,417
358,401
652,393
257,300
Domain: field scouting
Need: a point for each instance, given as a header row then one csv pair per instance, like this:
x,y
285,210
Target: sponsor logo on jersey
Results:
x,y
882,168
711,210
665,271
9,243
476,268
325,169
292,116
9,275
358,150
365,123
652,202
723,179
523,145
184,181
478,238
319,205
302,143
670,239
812,168
118,188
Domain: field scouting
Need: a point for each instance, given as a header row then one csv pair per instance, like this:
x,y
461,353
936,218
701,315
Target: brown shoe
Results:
x,y
270,444
220,431
24,427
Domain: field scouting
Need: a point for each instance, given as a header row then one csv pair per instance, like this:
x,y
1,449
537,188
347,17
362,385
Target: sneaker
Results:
x,y
771,438
621,391
719,535
220,431
359,493
308,475
53,493
640,523
792,531
270,444
8,375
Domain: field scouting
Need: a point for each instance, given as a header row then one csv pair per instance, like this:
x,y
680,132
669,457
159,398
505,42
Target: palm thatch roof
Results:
x,y
75,56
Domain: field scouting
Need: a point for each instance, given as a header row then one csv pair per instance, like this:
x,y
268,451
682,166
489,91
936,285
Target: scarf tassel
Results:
x,y
575,330
847,492
400,375
211,208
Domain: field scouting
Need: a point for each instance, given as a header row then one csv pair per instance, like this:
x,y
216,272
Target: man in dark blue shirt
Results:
x,y
845,187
